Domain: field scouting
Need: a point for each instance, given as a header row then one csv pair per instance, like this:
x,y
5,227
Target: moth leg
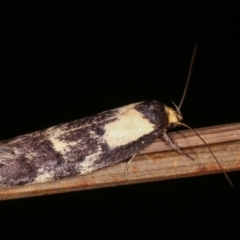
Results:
x,y
127,166
174,146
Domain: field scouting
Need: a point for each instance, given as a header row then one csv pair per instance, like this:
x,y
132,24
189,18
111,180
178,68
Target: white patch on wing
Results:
x,y
43,176
129,126
124,109
58,145
86,165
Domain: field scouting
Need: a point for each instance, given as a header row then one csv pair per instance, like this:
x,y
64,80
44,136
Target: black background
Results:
x,y
64,61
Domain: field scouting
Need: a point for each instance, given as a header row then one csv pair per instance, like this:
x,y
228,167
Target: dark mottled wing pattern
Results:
x,y
80,146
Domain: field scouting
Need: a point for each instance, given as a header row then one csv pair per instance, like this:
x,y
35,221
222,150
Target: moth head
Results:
x,y
174,117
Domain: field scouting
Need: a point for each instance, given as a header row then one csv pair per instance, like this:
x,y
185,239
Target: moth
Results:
x,y
88,144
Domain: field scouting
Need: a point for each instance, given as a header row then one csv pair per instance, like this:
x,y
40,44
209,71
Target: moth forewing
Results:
x,y
82,146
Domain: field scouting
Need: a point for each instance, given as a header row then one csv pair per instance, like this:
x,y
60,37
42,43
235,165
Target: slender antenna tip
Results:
x,y
189,76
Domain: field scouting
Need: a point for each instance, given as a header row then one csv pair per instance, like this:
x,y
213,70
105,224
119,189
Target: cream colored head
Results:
x,y
174,117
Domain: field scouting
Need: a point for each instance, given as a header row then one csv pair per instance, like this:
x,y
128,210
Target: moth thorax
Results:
x,y
174,117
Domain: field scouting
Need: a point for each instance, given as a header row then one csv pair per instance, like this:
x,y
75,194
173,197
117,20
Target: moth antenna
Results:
x,y
225,174
188,78
177,108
